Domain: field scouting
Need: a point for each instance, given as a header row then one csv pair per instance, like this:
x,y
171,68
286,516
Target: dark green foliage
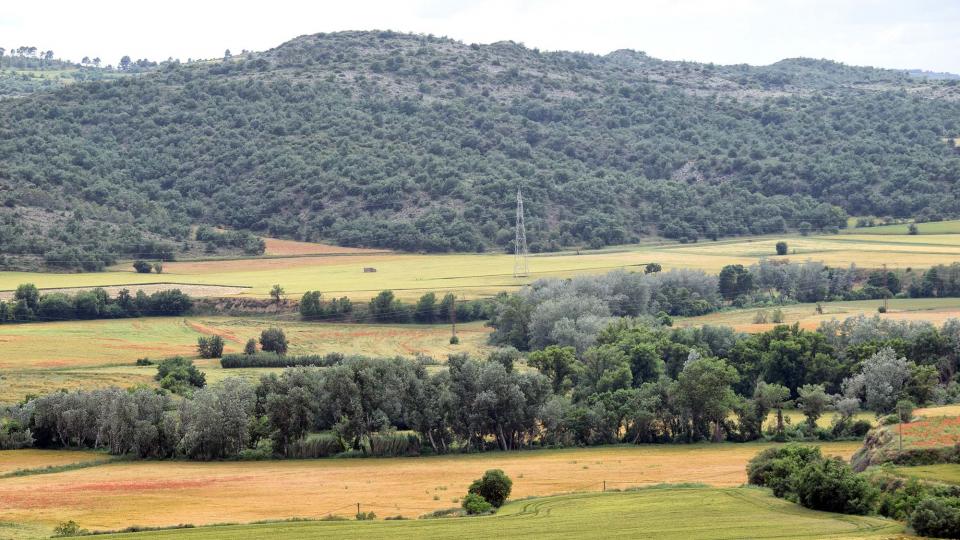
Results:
x,y
937,517
315,446
734,281
273,340
775,467
250,347
274,360
426,309
604,152
394,445
386,308
830,485
30,305
210,347
781,248
179,375
250,244
494,486
142,267
475,504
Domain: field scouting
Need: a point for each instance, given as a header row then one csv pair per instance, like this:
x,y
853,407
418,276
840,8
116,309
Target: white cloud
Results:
x,y
886,33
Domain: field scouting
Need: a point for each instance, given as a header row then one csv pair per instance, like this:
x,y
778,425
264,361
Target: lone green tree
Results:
x,y
781,248
494,486
273,340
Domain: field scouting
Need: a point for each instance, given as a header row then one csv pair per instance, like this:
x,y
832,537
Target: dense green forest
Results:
x,y
419,143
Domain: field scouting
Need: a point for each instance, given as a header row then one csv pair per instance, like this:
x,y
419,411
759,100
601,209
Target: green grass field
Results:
x,y
667,513
946,473
477,275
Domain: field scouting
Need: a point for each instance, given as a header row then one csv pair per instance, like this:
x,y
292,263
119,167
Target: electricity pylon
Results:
x,y
520,253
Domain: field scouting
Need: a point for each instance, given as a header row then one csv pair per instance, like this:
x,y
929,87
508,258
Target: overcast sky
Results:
x,y
921,34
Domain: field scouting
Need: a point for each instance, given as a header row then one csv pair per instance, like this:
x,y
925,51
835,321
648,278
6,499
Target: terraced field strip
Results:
x,y
661,513
21,460
164,493
934,310
39,358
947,473
321,267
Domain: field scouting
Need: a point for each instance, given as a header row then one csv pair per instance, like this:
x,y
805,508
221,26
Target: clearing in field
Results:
x,y
478,275
664,513
39,358
160,493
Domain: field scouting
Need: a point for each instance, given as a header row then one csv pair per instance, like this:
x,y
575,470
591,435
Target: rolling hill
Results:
x,y
419,143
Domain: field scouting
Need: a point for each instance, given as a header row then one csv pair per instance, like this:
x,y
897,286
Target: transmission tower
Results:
x,y
520,267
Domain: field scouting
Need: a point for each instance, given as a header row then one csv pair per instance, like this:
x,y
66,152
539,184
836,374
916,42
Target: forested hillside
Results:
x,y
419,143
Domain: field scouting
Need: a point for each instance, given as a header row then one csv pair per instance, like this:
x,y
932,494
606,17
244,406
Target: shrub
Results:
x,y
775,467
144,362
454,340
781,248
475,504
937,517
68,528
273,340
315,446
905,410
210,347
366,516
394,445
179,375
250,347
832,486
274,360
494,486
142,267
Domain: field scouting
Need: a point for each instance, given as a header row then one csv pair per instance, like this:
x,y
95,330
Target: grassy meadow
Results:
x,y
44,357
948,473
685,513
299,266
162,493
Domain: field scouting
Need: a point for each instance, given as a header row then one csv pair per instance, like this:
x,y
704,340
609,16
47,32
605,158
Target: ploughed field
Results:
x,y
162,493
299,266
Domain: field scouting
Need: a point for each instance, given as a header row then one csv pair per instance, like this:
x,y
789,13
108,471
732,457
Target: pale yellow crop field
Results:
x,y
477,275
933,310
120,494
21,460
37,358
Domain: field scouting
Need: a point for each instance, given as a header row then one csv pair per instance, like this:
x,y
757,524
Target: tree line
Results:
x,y
639,383
28,304
385,307
571,312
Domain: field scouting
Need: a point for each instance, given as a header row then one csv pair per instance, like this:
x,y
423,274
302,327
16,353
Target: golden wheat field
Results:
x,y
121,494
